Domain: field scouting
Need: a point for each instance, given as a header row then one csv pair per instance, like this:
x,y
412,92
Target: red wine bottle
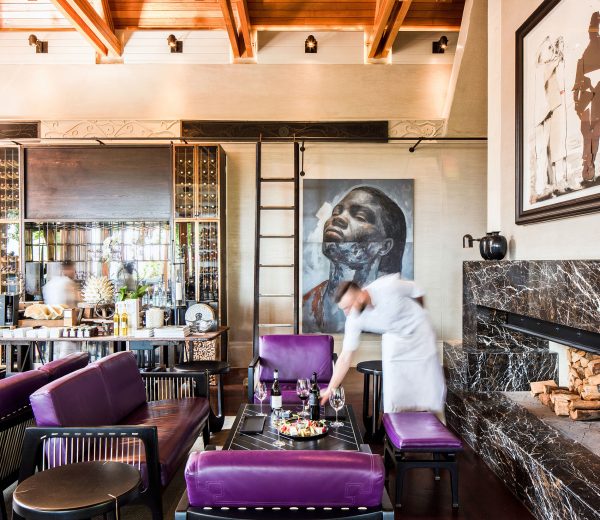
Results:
x,y
313,400
275,392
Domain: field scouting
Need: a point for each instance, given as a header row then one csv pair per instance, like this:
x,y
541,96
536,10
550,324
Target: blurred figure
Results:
x,y
62,290
412,374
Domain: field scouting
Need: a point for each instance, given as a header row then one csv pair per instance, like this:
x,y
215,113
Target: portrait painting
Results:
x,y
558,111
354,230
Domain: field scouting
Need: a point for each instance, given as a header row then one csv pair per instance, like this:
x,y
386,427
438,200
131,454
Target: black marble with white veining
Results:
x,y
497,370
556,478
566,292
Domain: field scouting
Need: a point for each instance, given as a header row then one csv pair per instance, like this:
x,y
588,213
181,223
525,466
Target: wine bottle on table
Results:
x,y
124,323
276,401
313,399
116,323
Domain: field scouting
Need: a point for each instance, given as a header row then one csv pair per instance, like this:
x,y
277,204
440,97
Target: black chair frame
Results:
x,y
12,432
441,459
159,386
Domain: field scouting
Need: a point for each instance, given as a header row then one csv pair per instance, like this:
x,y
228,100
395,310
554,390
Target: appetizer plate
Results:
x,y
303,430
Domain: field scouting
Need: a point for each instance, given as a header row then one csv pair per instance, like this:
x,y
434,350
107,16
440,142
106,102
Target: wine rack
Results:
x,y
199,217
10,242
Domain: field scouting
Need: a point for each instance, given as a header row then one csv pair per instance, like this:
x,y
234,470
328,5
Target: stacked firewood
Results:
x,y
581,399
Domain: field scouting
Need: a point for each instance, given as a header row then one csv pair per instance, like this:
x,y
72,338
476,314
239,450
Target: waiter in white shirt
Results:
x,y
413,379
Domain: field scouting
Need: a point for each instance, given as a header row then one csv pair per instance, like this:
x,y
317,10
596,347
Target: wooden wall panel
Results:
x,y
98,182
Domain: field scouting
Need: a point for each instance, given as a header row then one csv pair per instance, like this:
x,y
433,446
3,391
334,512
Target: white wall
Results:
x,y
576,238
450,188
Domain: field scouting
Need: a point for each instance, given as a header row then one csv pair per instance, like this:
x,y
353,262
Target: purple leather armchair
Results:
x,y
16,414
150,420
284,484
295,356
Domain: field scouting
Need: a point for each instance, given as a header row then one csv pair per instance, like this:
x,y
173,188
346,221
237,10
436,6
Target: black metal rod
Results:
x,y
255,330
296,234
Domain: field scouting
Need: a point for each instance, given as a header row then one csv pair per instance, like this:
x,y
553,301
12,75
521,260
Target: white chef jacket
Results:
x,y
413,379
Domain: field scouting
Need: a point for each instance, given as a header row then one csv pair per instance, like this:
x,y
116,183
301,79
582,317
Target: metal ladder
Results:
x,y
263,270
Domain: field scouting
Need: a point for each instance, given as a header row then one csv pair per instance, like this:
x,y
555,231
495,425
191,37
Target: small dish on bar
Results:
x,y
303,429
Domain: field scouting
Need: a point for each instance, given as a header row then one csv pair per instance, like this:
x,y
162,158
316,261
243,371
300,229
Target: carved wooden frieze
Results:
x,y
231,130
105,128
416,128
19,129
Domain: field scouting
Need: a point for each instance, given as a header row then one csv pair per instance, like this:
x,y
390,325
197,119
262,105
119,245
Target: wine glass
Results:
x,y
303,391
337,399
277,422
261,392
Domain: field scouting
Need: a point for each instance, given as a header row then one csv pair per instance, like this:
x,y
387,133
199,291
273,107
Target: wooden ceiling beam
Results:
x,y
393,32
245,28
230,27
89,23
382,16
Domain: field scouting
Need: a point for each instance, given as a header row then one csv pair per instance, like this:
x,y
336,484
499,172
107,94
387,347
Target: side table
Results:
x,y
212,368
77,491
371,422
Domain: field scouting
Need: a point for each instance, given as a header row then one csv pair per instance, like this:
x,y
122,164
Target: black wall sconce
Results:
x,y
175,44
40,46
440,46
310,45
493,246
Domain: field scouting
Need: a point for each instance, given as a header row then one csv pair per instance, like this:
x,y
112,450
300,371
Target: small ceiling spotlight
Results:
x,y
40,46
175,44
310,45
440,46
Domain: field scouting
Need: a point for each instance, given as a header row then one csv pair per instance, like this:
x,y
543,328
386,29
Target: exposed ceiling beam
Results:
x,y
382,15
103,8
245,28
229,20
391,34
88,22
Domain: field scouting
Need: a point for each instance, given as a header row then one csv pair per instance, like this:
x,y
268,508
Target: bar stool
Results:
x,y
212,368
371,422
77,491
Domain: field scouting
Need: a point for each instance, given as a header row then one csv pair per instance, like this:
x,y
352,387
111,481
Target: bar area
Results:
x,y
282,259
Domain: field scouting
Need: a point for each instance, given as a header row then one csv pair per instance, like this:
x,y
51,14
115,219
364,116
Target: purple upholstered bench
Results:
x,y
420,432
295,356
107,403
16,414
284,484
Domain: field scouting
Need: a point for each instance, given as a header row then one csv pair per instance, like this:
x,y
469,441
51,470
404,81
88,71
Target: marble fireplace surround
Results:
x,y
555,477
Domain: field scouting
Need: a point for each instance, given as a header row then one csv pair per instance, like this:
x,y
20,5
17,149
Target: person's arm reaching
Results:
x,y
339,372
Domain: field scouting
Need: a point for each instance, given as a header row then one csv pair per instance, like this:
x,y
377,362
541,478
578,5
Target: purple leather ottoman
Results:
x,y
420,432
278,484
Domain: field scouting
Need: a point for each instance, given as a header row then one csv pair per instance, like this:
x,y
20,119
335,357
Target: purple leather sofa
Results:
x,y
295,356
109,398
16,414
284,484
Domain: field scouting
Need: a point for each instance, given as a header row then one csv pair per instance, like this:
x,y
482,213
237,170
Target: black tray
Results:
x,y
253,424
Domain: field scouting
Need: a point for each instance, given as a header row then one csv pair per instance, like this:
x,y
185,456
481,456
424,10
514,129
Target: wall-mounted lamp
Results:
x,y
440,46
40,46
175,44
310,45
493,246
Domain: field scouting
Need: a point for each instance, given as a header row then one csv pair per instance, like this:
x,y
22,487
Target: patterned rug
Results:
x,y
171,495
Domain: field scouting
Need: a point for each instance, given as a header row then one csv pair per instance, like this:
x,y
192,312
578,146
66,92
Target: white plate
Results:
x,y
206,313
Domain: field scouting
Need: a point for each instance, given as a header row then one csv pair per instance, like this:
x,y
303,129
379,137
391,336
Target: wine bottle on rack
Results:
x,y
276,401
313,399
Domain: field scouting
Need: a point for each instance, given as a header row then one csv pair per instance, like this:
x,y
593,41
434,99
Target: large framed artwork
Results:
x,y
352,230
558,111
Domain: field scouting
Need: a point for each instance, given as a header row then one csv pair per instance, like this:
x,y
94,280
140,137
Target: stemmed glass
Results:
x,y
337,399
261,392
303,391
277,422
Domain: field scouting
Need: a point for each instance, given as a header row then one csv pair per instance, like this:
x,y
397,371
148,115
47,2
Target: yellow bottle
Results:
x,y
124,324
116,323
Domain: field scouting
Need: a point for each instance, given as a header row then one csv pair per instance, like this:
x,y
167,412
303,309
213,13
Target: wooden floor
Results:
x,y
482,495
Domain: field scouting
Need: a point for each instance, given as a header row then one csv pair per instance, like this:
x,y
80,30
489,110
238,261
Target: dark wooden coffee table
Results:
x,y
345,437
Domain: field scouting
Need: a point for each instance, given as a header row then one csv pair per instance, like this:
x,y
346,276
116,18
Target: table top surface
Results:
x,y
346,437
78,486
370,367
206,336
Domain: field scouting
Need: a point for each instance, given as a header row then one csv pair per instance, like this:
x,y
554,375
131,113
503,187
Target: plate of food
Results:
x,y
303,429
